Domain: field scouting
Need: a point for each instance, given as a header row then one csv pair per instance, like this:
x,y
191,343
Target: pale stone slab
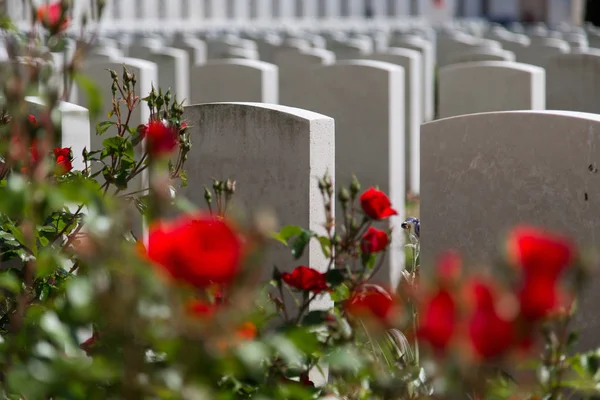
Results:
x,y
350,49
427,51
412,63
482,55
366,98
146,74
74,123
295,67
173,71
490,86
448,46
235,80
276,154
483,174
540,52
572,82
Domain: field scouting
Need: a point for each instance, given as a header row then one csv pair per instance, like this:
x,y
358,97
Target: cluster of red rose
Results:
x,y
63,157
490,320
218,254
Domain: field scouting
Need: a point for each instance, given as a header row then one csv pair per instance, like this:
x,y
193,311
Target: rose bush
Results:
x,y
93,308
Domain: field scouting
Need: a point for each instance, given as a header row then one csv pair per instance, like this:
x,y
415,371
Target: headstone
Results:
x,y
482,55
369,133
457,42
483,174
490,86
572,82
540,52
350,49
412,63
173,71
146,74
429,64
234,80
276,154
295,68
74,123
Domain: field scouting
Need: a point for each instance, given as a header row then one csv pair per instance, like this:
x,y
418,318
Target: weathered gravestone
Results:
x,y
490,86
482,55
427,51
147,75
234,80
295,68
366,99
539,53
411,62
173,69
483,174
74,124
276,154
572,82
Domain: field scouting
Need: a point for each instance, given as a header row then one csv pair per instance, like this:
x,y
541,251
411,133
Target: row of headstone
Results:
x,y
277,154
199,13
481,174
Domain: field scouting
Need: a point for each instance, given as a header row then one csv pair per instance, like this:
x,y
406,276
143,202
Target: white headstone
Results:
x,y
484,174
482,55
173,71
276,154
295,68
539,53
74,123
412,63
234,80
572,82
369,133
490,86
429,64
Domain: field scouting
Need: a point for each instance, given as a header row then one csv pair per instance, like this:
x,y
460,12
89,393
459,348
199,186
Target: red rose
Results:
x,y
201,309
51,18
63,160
372,301
306,279
539,253
376,204
438,320
32,121
490,334
374,241
538,298
161,139
199,250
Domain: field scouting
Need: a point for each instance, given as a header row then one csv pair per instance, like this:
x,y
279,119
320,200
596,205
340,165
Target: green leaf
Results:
x,y
116,143
286,233
325,245
103,127
92,93
340,293
300,243
335,277
10,282
184,179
